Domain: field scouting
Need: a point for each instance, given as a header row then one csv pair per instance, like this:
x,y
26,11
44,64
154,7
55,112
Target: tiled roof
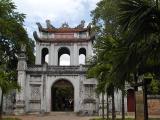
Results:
x,y
63,30
62,40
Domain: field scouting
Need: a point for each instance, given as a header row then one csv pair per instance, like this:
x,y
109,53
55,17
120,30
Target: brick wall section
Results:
x,y
154,106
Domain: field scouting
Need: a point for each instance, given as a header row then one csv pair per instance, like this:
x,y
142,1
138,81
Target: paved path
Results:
x,y
54,116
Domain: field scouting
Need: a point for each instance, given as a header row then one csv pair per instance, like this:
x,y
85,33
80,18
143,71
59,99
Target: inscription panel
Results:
x,y
35,78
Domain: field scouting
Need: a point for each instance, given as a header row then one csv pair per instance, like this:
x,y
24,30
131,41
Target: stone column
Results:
x,y
51,55
89,51
20,96
38,54
75,54
72,55
76,96
55,52
81,91
43,90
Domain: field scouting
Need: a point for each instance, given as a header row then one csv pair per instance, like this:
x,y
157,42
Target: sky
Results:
x,y
57,11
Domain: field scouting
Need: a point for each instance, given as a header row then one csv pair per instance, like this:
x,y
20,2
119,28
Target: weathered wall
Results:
x,y
154,105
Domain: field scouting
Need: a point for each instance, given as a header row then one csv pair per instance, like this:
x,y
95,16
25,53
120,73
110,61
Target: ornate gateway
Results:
x,y
48,85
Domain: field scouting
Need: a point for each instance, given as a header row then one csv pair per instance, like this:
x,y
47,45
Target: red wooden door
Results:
x,y
130,100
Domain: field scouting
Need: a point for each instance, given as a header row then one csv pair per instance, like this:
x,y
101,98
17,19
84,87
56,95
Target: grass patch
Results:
x,y
111,119
11,119
125,119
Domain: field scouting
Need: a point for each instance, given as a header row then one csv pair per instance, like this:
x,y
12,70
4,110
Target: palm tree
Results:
x,y
140,24
100,68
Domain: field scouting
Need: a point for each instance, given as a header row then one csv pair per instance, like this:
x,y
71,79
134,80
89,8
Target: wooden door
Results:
x,y
130,100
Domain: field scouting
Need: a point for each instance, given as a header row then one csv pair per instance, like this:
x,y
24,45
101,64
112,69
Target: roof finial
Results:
x,y
65,25
39,26
81,25
49,25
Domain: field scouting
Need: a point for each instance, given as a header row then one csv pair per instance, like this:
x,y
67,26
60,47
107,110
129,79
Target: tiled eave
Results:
x,y
61,40
63,30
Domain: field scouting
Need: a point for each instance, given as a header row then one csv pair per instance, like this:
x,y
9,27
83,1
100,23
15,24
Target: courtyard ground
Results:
x,y
53,116
64,116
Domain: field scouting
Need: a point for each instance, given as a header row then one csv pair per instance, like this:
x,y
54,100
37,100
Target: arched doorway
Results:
x,y
62,96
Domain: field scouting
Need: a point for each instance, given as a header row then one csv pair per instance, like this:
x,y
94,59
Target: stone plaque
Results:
x,y
139,105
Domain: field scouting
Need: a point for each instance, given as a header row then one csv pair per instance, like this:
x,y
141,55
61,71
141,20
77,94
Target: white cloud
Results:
x,y
58,11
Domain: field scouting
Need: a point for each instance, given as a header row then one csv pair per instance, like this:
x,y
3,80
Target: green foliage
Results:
x,y
104,18
155,84
154,87
111,119
125,119
7,82
127,43
101,63
11,119
139,20
105,44
12,35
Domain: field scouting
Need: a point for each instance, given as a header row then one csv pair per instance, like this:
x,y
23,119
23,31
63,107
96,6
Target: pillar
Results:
x,y
38,54
72,55
55,54
52,55
76,54
89,50
20,96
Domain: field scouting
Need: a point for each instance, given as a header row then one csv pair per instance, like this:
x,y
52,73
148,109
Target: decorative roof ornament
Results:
x,y
49,25
65,25
81,25
89,25
23,48
39,26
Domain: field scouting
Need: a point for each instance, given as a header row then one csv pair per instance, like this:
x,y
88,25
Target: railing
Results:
x,y
35,68
57,69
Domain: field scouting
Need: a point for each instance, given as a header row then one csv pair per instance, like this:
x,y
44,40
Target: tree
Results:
x,y
139,21
135,28
101,65
6,85
105,22
12,36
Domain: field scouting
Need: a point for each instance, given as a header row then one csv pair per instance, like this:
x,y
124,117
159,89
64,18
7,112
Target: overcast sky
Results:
x,y
57,11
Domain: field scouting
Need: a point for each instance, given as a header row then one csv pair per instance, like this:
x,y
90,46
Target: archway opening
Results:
x,y
62,94
45,55
82,56
64,56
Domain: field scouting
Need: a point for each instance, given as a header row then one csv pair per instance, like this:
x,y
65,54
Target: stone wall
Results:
x,y
154,105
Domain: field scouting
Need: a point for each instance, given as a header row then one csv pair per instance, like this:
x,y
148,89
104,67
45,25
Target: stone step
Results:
x,y
62,113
